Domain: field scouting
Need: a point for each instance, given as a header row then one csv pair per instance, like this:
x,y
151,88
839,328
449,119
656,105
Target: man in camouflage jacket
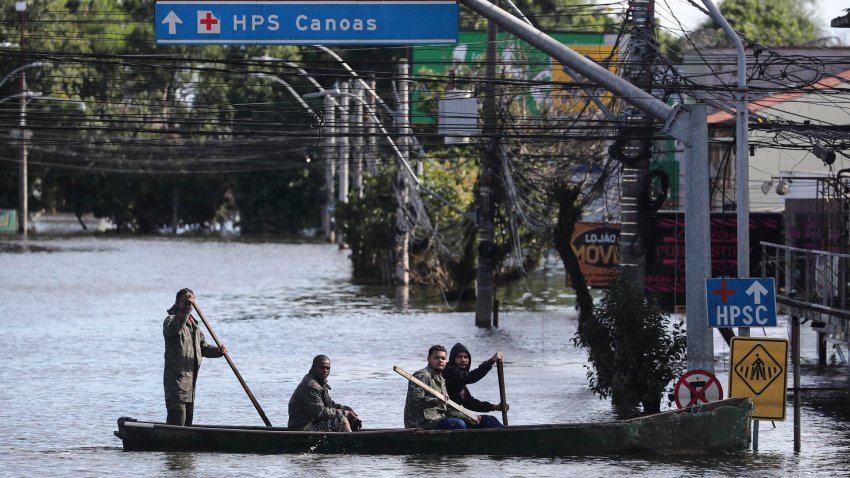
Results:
x,y
184,348
423,410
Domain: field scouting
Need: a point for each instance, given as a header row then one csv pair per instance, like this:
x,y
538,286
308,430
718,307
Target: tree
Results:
x,y
633,348
769,22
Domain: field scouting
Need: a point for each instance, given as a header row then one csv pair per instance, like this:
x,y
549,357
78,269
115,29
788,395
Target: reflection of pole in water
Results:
x,y
757,371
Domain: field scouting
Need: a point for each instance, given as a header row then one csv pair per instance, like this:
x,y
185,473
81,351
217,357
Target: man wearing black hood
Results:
x,y
311,407
458,375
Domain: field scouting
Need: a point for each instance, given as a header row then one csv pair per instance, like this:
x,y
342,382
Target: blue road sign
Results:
x,y
307,22
741,302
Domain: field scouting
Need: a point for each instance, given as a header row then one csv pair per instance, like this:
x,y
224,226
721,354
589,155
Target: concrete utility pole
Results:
x,y
357,139
402,272
330,162
687,123
371,129
343,151
485,209
23,182
637,145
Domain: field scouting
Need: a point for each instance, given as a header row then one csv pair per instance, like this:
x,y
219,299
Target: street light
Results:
x,y
288,88
336,93
25,97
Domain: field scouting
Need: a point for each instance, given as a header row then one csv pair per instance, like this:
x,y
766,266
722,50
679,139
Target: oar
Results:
x,y
233,366
435,393
501,371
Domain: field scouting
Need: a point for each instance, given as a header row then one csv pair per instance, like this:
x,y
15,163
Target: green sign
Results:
x,y
517,60
8,221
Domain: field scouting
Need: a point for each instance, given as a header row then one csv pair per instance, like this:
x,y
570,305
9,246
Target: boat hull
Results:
x,y
718,427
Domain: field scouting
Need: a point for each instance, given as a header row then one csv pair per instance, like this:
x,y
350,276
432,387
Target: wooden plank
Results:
x,y
435,393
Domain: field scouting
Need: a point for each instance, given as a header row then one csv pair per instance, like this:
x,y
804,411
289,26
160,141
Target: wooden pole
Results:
x,y
435,393
500,369
233,366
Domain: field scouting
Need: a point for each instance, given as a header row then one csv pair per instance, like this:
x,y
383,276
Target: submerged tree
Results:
x,y
633,348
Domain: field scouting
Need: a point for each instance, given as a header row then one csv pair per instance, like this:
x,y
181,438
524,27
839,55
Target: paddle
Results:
x,y
435,393
500,369
233,366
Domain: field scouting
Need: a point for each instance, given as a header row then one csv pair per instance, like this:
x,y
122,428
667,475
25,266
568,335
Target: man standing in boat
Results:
x,y
185,347
311,407
422,410
458,374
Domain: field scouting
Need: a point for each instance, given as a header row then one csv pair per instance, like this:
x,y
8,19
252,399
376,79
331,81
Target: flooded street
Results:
x,y
81,321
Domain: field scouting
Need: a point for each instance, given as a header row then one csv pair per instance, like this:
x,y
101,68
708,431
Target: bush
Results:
x,y
633,348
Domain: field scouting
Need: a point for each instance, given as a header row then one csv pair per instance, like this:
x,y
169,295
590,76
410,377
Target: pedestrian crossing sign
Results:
x,y
759,372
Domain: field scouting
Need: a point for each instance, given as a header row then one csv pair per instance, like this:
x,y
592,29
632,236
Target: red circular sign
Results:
x,y
695,387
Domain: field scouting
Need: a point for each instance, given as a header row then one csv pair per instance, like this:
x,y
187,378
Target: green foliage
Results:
x,y
369,226
633,348
94,162
768,22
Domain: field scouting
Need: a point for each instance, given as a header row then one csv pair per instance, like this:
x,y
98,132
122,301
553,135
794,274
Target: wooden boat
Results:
x,y
717,427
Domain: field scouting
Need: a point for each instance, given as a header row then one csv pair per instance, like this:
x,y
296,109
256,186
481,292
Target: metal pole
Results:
x,y
742,163
343,152
485,206
329,157
402,272
697,239
795,354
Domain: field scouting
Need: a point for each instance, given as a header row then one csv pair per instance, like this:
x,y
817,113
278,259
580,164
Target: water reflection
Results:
x,y
183,462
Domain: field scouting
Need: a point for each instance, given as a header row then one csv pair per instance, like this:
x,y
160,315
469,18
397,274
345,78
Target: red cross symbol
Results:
x,y
209,21
724,292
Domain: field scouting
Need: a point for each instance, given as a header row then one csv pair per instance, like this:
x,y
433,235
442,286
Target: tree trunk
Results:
x,y
569,212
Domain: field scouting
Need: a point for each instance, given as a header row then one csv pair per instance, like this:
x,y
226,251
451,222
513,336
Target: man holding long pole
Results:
x,y
185,347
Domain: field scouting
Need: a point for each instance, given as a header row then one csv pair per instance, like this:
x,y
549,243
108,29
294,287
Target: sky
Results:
x,y
690,17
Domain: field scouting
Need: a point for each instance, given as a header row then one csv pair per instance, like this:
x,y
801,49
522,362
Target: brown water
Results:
x,y
81,325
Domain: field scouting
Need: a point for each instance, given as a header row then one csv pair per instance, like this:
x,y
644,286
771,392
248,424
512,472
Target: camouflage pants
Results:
x,y
330,425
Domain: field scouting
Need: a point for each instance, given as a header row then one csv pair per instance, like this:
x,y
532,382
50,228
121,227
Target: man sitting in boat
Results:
x,y
422,410
458,375
311,407
185,346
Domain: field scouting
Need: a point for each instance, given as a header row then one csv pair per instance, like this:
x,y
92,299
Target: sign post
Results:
x,y
741,302
306,22
759,372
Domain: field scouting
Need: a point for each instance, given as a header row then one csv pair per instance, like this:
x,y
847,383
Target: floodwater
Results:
x,y
82,345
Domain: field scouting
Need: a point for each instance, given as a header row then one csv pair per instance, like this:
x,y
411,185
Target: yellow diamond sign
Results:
x,y
759,372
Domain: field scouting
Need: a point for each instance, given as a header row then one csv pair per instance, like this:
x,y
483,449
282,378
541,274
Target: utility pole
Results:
x,y
486,226
23,184
329,157
343,151
371,129
357,139
634,148
402,273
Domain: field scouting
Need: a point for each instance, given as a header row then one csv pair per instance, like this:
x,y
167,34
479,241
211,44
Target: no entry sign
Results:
x,y
696,387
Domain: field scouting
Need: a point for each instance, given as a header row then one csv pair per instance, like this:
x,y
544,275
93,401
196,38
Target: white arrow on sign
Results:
x,y
172,20
756,290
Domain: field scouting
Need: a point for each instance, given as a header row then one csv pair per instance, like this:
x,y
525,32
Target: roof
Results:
x,y
778,98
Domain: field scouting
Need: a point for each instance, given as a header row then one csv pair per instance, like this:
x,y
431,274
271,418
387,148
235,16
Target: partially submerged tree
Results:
x,y
634,349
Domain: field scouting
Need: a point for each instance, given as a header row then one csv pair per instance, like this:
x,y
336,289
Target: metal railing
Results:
x,y
812,285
